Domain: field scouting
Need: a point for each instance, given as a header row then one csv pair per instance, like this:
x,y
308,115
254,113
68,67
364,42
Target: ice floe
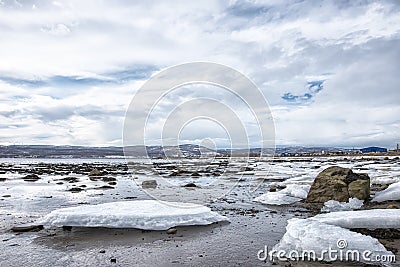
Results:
x,y
141,214
372,219
289,195
333,205
312,240
276,198
390,193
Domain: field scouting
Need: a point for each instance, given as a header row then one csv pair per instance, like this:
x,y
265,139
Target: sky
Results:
x,y
328,69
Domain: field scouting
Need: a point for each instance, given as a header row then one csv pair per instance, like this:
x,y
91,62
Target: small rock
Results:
x,y
272,188
75,189
172,231
149,184
105,187
71,179
6,196
102,251
31,178
113,260
112,183
190,185
384,187
391,206
27,228
109,179
95,172
2,179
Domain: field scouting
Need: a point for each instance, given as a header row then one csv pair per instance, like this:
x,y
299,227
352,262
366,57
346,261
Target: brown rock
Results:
x,y
149,184
340,184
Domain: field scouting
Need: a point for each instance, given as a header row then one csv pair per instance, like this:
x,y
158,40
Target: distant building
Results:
x,y
373,149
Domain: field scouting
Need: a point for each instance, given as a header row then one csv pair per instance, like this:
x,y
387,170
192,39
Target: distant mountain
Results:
x,y
185,150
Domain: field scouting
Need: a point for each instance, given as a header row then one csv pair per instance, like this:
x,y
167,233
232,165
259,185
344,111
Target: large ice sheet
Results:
x,y
333,205
372,219
305,235
390,193
141,214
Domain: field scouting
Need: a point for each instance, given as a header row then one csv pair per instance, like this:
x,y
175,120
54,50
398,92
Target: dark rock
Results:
x,y
71,179
31,178
105,187
67,228
102,251
75,189
113,260
112,183
27,228
149,184
272,188
196,174
6,196
190,185
109,179
3,179
172,231
340,184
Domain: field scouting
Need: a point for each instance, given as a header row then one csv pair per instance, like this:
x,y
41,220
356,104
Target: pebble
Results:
x,y
172,231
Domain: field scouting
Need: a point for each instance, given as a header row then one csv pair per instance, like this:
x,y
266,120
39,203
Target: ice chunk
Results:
x,y
372,219
390,193
289,195
276,198
333,205
141,214
296,190
304,237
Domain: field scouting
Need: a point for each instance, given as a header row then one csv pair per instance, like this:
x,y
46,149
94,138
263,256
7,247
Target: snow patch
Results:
x,y
333,205
141,214
291,194
372,219
276,198
390,193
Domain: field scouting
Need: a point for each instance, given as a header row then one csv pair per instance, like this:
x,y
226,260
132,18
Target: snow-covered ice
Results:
x,y
296,190
141,214
289,195
372,219
276,198
305,235
390,193
333,205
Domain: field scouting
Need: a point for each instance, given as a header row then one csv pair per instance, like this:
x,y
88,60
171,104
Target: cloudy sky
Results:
x,y
329,69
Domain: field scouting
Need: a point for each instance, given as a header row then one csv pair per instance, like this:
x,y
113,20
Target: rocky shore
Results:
x,y
30,190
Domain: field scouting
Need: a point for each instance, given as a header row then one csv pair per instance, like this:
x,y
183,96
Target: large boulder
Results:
x,y
340,184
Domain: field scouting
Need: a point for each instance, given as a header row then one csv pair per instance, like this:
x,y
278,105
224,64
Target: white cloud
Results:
x,y
62,61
